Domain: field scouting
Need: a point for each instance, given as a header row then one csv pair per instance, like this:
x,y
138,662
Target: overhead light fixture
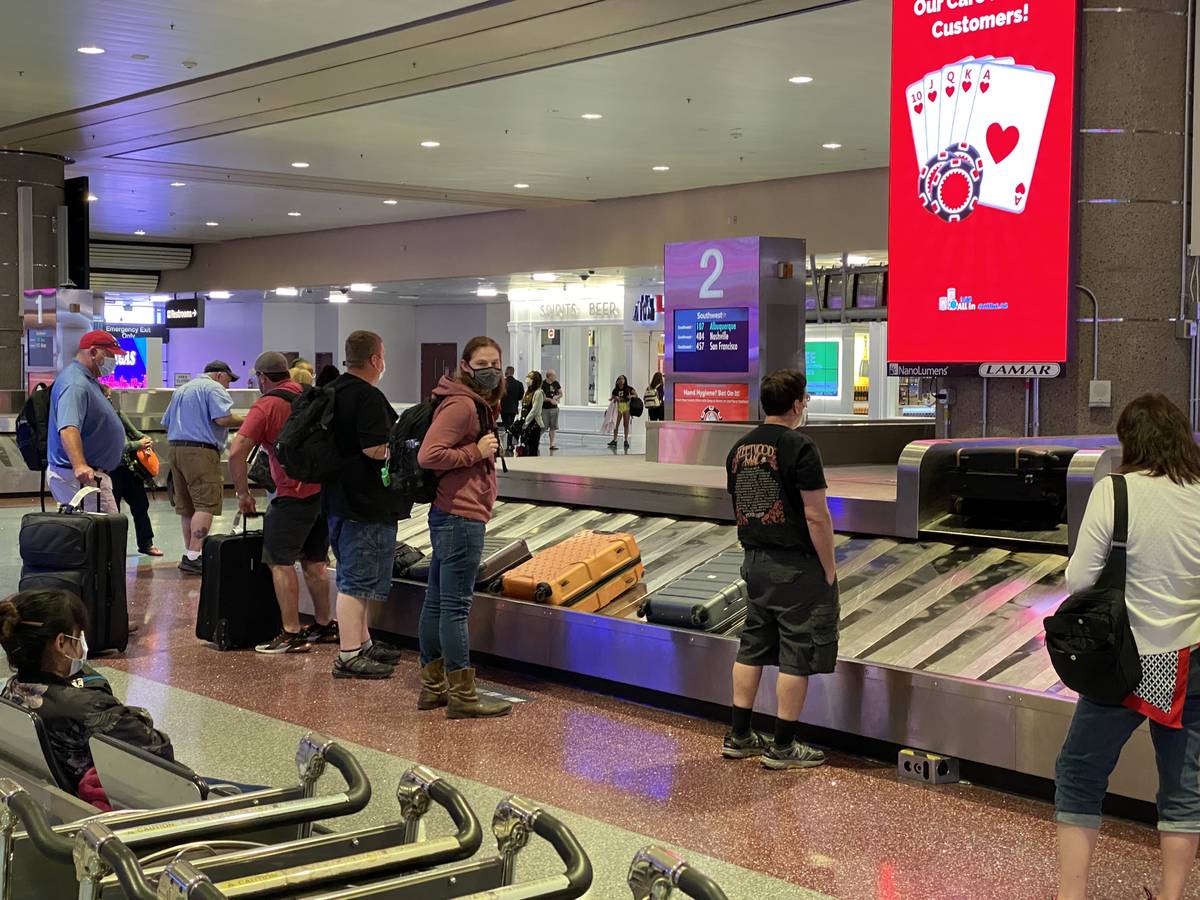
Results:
x,y
362,287
831,146
294,214
299,165
431,145
287,292
92,198
855,260
338,297
391,202
661,168
159,298
486,292
140,232
801,79
212,224
219,295
591,117
520,185
90,50
545,276
178,184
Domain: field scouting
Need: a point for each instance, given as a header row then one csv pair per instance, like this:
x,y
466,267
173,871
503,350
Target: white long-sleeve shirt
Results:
x,y
1162,584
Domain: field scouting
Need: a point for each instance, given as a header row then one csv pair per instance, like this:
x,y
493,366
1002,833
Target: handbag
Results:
x,y
1089,638
259,473
636,406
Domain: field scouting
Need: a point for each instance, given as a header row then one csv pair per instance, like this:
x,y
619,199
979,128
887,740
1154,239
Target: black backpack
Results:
x,y
1089,639
407,477
33,426
305,446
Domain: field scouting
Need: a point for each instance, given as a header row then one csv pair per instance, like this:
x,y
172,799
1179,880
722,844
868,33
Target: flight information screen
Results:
x,y
712,340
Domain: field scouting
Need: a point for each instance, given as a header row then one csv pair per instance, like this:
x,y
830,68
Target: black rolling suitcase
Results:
x,y
83,552
499,555
711,597
237,597
1012,485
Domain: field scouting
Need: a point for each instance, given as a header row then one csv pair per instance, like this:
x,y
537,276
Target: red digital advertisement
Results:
x,y
712,402
982,169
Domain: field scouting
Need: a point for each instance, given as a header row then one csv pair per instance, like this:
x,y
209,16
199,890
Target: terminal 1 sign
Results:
x,y
982,167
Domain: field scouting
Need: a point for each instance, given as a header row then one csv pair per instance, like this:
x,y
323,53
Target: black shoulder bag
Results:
x,y
1089,639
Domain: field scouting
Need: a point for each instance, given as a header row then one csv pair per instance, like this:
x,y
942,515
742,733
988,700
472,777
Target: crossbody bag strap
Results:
x,y
1120,536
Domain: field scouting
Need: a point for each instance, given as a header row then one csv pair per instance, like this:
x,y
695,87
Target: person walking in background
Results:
x,y
465,459
554,394
532,421
1160,463
128,485
362,510
656,409
622,393
778,487
197,420
295,529
510,405
302,377
85,439
327,375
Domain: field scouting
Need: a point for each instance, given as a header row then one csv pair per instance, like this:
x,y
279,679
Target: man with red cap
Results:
x,y
85,439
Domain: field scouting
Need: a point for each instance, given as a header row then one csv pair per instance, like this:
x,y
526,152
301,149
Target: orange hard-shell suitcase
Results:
x,y
584,572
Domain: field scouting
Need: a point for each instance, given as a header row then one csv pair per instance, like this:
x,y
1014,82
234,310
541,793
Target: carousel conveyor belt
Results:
x,y
968,611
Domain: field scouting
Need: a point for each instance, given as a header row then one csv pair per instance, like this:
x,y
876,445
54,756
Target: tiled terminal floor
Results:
x,y
621,775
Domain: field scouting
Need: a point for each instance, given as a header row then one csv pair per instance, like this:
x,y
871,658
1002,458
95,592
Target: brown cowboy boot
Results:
x,y
465,703
434,687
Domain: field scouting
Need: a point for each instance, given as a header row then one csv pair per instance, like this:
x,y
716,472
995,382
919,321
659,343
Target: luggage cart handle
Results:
x,y
578,866
655,872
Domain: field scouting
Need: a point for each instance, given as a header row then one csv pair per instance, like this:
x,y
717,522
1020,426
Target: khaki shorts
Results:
x,y
196,484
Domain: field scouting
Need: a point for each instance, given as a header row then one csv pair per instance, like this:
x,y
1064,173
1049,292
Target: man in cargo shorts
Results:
x,y
197,420
778,487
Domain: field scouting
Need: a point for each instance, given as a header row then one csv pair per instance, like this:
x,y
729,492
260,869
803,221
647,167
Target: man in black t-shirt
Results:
x,y
510,403
362,510
778,487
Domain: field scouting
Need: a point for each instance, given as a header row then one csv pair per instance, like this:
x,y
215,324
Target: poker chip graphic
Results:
x,y
949,183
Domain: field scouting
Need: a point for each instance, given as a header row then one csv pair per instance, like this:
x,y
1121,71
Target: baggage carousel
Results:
x,y
941,645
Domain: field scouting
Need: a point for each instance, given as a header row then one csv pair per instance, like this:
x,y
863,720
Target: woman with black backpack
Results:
x,y
461,446
1160,466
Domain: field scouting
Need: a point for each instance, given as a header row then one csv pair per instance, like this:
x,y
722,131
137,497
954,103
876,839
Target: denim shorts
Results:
x,y
364,552
792,616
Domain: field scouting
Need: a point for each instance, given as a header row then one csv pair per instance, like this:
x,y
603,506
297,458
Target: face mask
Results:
x,y
528,382
487,379
382,368
108,365
803,420
77,663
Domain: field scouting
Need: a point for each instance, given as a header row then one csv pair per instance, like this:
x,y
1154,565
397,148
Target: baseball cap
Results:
x,y
100,339
219,365
271,362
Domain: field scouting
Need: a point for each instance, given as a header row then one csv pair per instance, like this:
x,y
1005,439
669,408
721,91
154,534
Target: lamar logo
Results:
x,y
951,303
1020,370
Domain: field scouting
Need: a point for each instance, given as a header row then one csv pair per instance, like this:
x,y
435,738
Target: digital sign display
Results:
x,y
982,160
712,403
822,367
712,340
39,348
131,364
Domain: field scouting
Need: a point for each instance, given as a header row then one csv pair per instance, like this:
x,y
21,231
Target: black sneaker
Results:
x,y
191,566
321,634
383,653
627,445
744,747
612,443
797,756
286,642
359,666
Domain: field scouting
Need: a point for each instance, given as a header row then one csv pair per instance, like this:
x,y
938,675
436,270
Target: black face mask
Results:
x,y
486,379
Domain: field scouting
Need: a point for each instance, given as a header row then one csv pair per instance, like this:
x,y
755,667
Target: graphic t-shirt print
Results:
x,y
758,492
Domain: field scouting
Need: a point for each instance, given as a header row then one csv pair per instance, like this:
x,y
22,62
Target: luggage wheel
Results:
x,y
495,586
542,593
221,634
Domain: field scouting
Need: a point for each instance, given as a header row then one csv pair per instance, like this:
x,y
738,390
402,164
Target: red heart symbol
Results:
x,y
1001,142
950,91
1020,193
983,87
966,85
932,96
917,109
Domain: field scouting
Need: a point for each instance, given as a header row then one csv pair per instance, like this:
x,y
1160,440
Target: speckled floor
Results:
x,y
621,775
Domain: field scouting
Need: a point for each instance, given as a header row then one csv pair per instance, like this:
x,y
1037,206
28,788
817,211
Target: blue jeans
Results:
x,y
453,567
1094,744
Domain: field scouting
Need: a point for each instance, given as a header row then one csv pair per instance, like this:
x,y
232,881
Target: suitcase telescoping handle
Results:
x,y
76,504
244,518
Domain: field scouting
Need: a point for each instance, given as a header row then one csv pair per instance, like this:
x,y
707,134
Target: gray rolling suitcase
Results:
x,y
499,555
712,597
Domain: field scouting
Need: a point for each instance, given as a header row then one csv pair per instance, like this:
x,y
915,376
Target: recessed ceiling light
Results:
x,y
520,185
90,50
219,295
855,259
294,214
212,224
178,184
661,168
544,276
430,145
591,117
486,292
92,198
140,57
287,292
362,287
801,79
391,202
140,232
338,297
299,165
159,298
831,146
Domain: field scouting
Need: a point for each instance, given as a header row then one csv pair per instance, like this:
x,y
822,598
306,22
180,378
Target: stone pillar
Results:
x,y
1129,228
44,174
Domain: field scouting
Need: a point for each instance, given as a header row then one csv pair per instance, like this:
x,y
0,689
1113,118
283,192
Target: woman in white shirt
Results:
x,y
1161,464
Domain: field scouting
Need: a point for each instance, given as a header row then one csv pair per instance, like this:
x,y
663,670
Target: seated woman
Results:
x,y
42,633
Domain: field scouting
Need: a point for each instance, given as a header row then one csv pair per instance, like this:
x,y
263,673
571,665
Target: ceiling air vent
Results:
x,y
139,256
124,282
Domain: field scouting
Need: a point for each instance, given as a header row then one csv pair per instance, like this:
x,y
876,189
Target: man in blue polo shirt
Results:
x,y
197,419
85,438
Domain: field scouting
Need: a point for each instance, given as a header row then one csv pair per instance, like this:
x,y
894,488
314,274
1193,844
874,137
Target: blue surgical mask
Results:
x,y
77,662
108,365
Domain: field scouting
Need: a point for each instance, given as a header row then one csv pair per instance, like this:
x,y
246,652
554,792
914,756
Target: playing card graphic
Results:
x,y
915,97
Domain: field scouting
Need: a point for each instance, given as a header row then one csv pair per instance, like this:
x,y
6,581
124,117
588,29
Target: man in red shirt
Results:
x,y
295,528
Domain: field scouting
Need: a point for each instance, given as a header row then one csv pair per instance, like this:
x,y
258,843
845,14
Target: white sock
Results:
x,y
192,554
367,645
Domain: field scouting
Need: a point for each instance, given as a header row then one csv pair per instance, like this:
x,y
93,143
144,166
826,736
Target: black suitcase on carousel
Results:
x,y
1011,485
237,597
83,552
499,555
712,597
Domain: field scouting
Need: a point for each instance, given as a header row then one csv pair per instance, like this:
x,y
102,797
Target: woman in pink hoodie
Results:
x,y
461,444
